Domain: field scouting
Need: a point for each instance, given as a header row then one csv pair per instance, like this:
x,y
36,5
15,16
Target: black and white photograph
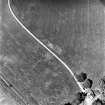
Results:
x,y
52,52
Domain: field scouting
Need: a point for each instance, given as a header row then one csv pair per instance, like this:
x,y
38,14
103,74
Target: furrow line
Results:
x,y
13,89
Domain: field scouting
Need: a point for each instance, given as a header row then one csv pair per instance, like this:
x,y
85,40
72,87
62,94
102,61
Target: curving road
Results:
x,y
77,27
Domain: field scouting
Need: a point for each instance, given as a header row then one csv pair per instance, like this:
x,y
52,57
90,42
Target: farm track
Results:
x,y
9,86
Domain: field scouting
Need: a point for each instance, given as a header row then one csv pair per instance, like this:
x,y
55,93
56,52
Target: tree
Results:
x,y
81,76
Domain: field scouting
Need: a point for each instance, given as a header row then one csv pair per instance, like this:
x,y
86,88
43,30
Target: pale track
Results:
x,y
10,87
42,44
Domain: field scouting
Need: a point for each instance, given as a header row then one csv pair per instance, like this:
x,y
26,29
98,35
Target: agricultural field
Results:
x,y
77,27
72,29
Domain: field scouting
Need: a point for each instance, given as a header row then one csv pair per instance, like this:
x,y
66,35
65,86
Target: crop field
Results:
x,y
73,29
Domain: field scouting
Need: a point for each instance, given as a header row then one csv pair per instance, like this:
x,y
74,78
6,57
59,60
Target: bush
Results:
x,y
81,76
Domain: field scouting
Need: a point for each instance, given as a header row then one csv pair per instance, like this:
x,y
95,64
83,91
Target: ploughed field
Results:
x,y
76,27
37,76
